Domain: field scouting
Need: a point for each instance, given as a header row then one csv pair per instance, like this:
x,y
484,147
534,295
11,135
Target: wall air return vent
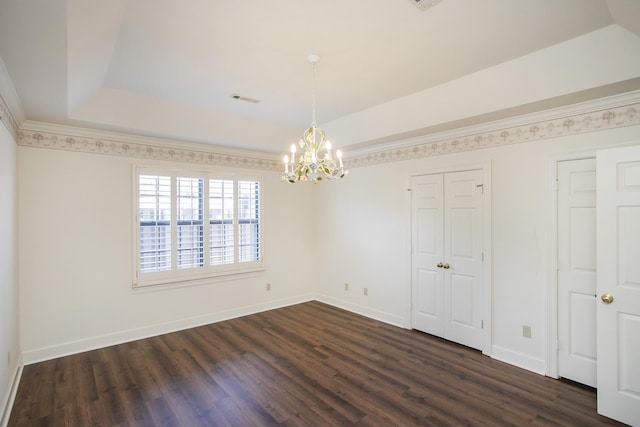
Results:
x,y
425,4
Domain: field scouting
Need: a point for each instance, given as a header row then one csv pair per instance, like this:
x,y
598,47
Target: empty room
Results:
x,y
383,213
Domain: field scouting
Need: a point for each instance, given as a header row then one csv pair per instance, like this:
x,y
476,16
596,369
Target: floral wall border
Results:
x,y
144,151
598,120
627,115
7,119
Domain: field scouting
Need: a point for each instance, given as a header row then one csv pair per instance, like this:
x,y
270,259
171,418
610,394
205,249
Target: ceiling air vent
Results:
x,y
425,4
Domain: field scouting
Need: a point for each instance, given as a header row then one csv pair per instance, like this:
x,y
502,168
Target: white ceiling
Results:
x,y
168,68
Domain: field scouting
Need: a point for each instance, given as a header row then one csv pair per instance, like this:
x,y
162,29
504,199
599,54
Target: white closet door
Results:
x,y
577,270
447,286
427,312
618,283
463,258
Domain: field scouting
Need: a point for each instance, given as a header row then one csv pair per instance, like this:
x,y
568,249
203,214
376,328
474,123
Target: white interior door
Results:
x,y
427,313
447,286
463,258
618,283
577,270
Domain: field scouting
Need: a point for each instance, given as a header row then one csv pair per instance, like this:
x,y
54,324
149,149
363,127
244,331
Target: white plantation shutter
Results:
x,y
193,226
248,221
190,210
221,222
155,222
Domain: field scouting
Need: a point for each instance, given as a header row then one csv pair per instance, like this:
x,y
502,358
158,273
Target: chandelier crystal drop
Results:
x,y
316,160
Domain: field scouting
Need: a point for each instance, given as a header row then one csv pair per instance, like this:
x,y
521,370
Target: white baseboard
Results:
x,y
382,316
74,347
520,360
7,404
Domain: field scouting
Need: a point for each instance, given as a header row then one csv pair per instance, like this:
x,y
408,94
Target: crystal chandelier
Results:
x,y
316,161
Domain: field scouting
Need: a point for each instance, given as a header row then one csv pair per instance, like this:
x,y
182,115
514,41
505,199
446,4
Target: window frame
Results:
x,y
205,273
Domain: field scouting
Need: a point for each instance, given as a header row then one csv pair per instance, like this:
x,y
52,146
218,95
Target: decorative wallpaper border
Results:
x,y
598,120
146,151
7,119
627,115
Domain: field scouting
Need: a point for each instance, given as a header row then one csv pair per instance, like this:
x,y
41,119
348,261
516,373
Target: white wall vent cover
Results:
x,y
425,4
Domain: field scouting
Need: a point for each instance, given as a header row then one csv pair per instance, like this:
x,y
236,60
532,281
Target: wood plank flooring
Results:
x,y
305,365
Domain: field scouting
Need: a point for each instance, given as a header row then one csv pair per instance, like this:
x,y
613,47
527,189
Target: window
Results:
x,y
195,225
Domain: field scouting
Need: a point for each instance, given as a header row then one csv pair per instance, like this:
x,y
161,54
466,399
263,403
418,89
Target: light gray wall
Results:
x,y
76,257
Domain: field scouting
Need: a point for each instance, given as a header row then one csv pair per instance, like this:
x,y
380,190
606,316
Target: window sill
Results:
x,y
141,287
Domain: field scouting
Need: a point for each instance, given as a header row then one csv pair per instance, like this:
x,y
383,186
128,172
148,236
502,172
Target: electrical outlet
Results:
x,y
346,286
268,286
366,291
526,331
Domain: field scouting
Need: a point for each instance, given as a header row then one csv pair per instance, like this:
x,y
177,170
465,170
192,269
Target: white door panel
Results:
x,y
577,270
462,227
582,327
629,350
462,300
427,223
629,245
618,276
428,313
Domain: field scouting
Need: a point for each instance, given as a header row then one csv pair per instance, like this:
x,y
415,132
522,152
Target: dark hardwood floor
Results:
x,y
305,365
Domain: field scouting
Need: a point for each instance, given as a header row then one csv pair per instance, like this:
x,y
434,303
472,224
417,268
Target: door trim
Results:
x,y
487,316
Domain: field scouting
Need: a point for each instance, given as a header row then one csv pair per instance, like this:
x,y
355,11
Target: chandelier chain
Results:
x,y
313,94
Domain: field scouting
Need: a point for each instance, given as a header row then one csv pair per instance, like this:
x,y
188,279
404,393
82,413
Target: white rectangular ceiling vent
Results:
x,y
425,4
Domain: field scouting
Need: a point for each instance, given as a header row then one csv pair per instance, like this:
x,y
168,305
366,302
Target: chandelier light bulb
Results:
x,y
327,148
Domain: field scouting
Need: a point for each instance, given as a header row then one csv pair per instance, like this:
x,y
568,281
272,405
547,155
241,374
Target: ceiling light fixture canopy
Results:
x,y
316,161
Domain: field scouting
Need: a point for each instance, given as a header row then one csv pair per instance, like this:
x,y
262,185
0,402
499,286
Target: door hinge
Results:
x,y
556,185
557,345
482,324
482,257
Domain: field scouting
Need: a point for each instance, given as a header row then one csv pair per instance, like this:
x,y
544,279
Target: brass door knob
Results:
x,y
446,266
440,265
607,298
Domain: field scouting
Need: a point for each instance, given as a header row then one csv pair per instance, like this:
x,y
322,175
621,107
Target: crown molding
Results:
x,y
606,113
69,138
11,113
